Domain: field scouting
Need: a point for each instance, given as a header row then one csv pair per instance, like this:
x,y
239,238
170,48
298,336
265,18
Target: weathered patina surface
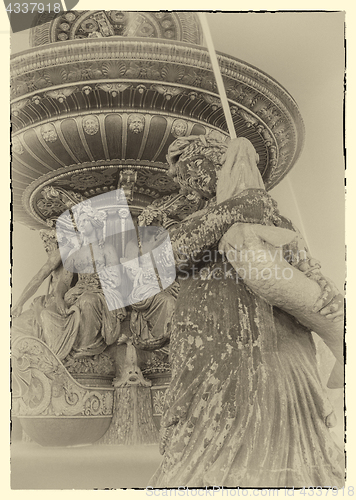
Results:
x,y
245,406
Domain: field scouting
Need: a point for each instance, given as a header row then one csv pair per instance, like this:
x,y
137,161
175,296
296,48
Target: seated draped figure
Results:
x,y
152,305
77,320
28,322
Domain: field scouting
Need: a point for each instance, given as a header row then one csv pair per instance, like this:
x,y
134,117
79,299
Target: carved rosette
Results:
x,y
43,387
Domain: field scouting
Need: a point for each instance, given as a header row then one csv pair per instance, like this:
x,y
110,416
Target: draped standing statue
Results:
x,y
245,406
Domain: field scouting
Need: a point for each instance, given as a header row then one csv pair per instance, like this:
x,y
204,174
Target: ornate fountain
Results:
x,y
95,104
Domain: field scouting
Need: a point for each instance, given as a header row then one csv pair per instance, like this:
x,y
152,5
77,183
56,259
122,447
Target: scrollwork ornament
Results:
x,y
249,120
42,385
168,92
123,213
64,27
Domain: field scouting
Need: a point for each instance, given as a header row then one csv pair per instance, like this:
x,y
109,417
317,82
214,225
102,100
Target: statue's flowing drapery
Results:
x,y
89,327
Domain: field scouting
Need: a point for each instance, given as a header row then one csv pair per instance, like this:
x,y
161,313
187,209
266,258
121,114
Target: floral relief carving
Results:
x,y
86,179
168,92
113,88
36,99
158,397
199,78
49,207
61,94
160,65
144,69
249,119
270,115
84,72
172,73
100,23
159,181
17,106
54,201
214,102
56,75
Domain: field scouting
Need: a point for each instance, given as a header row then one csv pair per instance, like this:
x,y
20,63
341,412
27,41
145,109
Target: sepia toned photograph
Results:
x,y
178,250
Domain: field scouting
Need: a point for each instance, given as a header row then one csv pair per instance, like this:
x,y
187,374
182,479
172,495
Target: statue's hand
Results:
x,y
16,311
335,309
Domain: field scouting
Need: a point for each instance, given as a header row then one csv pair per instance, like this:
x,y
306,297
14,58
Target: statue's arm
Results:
x,y
132,250
112,265
53,261
63,284
191,238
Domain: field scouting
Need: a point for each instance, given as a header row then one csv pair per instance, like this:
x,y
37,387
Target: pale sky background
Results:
x,y
305,53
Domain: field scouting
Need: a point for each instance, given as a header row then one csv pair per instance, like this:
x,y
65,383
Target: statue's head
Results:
x,y
91,125
179,127
49,239
89,221
136,123
194,162
48,132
